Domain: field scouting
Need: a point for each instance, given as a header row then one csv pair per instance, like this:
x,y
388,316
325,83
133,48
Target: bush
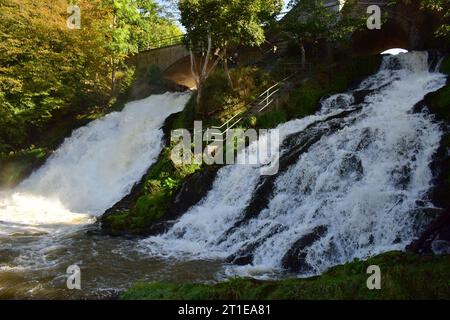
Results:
x,y
305,99
219,96
271,119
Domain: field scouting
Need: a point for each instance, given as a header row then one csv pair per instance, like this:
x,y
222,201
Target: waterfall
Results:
x,y
92,170
358,186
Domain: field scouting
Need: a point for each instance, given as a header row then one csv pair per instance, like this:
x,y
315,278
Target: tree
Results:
x,y
311,20
135,25
46,68
213,26
443,7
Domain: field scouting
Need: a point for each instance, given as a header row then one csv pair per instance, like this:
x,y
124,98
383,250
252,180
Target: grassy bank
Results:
x,y
323,80
403,276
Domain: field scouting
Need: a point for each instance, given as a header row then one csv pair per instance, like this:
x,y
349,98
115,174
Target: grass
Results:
x,y
304,99
403,276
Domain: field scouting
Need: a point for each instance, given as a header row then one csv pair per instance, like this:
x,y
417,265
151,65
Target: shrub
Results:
x,y
219,96
271,119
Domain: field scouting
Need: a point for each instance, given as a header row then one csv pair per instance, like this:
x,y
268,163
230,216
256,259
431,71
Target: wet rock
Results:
x,y
244,255
351,166
295,259
360,95
241,261
439,231
402,176
440,247
367,137
194,189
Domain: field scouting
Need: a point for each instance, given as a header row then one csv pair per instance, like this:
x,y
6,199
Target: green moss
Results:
x,y
148,209
403,276
445,66
328,80
440,103
305,99
271,119
220,101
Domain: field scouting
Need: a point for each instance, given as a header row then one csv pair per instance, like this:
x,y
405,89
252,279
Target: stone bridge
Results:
x,y
407,27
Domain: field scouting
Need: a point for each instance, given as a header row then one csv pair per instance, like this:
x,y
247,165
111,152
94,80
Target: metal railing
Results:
x,y
263,101
166,42
267,97
227,124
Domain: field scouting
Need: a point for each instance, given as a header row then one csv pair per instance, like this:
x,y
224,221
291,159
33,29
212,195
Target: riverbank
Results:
x,y
404,276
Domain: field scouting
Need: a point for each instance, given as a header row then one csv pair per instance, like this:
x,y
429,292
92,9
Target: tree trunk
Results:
x,y
203,75
202,72
195,76
199,99
303,55
227,70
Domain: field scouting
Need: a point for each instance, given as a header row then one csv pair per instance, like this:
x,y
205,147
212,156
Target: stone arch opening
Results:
x,y
391,35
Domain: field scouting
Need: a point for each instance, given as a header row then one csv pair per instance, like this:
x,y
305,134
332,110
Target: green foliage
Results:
x,y
222,101
233,22
271,119
439,101
311,20
149,208
442,7
47,69
404,276
327,80
305,99
439,7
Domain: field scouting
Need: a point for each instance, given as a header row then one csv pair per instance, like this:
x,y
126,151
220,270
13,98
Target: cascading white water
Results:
x,y
363,184
92,170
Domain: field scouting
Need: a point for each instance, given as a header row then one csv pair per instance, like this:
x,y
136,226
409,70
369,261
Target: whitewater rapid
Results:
x,y
91,171
360,189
